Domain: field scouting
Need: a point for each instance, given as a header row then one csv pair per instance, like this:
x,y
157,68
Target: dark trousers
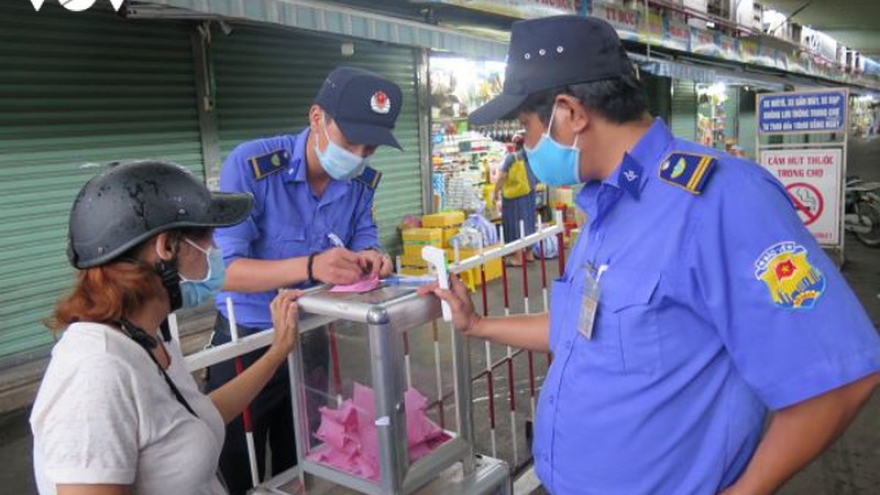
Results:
x,y
271,412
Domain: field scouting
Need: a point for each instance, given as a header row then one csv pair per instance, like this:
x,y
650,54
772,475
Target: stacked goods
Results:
x,y
450,222
471,277
413,242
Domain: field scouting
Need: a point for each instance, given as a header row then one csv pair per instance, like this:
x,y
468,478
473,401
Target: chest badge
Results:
x,y
793,282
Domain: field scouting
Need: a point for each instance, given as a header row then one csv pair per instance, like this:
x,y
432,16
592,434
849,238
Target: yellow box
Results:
x,y
422,237
445,219
473,279
415,239
448,232
410,260
414,270
464,253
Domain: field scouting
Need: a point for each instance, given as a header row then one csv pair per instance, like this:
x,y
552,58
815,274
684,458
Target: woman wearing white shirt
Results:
x,y
117,411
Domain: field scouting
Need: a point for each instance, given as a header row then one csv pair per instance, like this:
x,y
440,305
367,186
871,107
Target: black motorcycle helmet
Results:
x,y
128,203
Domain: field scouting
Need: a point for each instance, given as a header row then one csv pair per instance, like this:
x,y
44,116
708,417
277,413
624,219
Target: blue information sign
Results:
x,y
802,112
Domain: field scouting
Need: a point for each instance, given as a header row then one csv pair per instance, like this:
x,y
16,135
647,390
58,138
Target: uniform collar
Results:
x,y
299,166
633,172
296,172
637,164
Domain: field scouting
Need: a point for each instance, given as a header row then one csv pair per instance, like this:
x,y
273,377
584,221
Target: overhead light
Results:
x,y
710,24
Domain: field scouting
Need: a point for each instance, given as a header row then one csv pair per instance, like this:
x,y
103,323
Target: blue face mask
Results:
x,y
553,163
338,162
196,292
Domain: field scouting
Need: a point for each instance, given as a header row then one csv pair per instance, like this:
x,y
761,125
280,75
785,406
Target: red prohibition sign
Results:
x,y
808,201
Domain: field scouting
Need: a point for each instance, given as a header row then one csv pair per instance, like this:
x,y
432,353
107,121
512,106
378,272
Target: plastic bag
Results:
x,y
481,224
467,238
551,248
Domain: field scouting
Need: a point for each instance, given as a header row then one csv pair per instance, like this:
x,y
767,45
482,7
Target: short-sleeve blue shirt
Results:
x,y
287,220
713,308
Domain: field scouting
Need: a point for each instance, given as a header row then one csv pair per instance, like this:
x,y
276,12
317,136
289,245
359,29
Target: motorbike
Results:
x,y
862,210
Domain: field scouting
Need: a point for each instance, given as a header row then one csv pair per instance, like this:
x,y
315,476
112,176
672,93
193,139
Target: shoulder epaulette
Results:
x,y
269,163
689,171
370,177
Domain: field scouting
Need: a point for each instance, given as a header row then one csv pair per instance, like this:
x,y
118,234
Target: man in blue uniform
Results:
x,y
312,222
701,301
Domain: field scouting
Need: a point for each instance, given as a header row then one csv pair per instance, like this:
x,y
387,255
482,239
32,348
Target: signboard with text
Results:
x,y
812,178
803,112
520,9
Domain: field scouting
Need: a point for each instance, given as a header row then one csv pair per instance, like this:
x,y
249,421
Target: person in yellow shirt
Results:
x,y
516,186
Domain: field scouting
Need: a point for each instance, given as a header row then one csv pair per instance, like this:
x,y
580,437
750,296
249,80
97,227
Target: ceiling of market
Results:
x,y
855,23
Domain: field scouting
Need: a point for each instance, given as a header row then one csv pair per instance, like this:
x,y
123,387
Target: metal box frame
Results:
x,y
388,312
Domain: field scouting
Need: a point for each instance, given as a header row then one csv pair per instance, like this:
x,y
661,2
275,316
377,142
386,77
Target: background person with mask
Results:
x,y
312,222
517,187
693,302
117,412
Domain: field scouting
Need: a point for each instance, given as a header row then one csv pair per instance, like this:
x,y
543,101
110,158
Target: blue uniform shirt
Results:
x,y
715,306
287,220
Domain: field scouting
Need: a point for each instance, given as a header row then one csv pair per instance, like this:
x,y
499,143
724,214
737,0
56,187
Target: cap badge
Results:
x,y
380,103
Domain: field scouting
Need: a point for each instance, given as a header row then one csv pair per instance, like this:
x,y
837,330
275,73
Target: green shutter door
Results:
x,y
78,89
267,79
684,109
659,98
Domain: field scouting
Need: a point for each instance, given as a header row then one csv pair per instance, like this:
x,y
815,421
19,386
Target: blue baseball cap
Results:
x,y
553,52
364,105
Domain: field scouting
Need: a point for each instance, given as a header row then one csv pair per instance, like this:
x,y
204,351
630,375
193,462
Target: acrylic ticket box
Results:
x,y
389,413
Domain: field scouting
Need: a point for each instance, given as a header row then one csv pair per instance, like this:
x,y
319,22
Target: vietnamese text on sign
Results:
x,y
783,113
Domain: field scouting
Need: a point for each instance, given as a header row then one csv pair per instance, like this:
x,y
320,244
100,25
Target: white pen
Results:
x,y
335,240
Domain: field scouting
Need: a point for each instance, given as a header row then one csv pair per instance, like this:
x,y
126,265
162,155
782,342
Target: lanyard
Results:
x,y
147,343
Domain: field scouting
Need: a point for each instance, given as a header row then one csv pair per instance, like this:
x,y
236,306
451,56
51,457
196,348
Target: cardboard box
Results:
x,y
415,239
473,279
414,270
412,261
448,232
445,219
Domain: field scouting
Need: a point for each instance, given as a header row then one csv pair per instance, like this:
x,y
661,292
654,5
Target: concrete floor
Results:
x,y
850,467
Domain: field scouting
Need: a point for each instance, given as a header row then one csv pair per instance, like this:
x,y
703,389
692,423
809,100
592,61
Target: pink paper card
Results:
x,y
365,285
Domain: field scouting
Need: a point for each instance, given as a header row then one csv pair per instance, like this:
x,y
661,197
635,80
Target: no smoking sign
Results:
x,y
808,200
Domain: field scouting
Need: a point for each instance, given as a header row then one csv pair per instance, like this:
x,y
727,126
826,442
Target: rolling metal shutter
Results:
x,y
684,109
79,89
659,95
267,79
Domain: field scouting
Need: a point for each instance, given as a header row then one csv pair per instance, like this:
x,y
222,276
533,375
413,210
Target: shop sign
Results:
x,y
812,179
802,112
625,21
819,43
729,47
767,57
520,9
651,29
749,51
871,67
703,42
784,60
676,35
